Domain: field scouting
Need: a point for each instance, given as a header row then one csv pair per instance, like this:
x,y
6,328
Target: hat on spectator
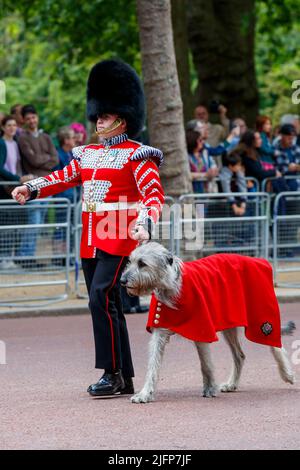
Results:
x,y
288,129
288,119
79,129
114,87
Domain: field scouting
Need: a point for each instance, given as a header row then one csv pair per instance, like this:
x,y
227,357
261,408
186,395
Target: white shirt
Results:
x,y
12,157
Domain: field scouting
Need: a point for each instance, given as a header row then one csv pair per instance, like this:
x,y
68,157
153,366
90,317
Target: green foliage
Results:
x,y
277,55
50,46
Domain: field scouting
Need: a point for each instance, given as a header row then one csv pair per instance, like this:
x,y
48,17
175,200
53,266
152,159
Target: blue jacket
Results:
x,y
266,151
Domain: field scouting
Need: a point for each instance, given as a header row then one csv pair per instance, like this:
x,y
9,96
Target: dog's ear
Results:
x,y
170,259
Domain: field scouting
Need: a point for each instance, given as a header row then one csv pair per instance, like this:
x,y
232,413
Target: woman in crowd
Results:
x,y
10,171
266,150
249,150
202,165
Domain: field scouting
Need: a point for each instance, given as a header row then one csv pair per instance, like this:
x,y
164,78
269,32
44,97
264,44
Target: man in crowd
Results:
x,y
217,133
16,113
288,155
39,157
66,140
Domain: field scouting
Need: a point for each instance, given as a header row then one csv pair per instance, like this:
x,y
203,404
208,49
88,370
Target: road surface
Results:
x,y
44,404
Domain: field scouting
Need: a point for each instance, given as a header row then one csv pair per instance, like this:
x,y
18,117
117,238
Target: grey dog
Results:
x,y
152,268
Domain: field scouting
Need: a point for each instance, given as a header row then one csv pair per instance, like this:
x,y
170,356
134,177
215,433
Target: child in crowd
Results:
x,y
232,169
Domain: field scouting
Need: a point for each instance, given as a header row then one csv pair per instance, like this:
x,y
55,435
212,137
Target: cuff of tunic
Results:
x,y
33,192
147,225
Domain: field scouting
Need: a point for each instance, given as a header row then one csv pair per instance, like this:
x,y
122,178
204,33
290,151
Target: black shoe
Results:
x,y
128,388
109,384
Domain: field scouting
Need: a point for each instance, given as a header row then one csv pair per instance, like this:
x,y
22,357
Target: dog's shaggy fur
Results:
x,y
153,268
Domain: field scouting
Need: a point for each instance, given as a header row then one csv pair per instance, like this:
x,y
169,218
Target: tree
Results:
x,y
165,114
221,36
182,51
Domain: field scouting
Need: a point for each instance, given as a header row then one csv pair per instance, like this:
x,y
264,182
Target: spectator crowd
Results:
x,y
27,152
223,157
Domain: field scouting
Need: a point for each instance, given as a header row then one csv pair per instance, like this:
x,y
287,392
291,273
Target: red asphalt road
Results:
x,y
44,404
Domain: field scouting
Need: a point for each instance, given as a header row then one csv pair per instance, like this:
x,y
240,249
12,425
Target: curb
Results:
x,y
45,312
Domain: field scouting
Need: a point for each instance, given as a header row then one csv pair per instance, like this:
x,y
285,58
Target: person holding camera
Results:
x,y
217,133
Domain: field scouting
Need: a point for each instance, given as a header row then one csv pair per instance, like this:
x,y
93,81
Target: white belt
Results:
x,y
108,206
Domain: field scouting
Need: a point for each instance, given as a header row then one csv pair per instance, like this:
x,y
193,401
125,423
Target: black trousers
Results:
x,y
102,276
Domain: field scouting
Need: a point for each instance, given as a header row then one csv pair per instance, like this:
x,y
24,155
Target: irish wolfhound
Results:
x,y
152,268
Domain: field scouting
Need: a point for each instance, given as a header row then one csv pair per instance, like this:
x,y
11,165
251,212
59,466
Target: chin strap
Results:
x,y
111,128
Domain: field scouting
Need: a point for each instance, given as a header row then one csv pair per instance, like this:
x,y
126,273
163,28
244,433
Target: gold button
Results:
x,y
158,304
156,321
158,309
157,315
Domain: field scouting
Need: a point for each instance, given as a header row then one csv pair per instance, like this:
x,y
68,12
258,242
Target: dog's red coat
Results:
x,y
219,292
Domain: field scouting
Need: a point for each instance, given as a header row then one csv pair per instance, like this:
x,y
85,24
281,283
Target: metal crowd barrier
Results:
x,y
266,181
286,239
34,252
76,196
217,179
194,225
206,225
163,232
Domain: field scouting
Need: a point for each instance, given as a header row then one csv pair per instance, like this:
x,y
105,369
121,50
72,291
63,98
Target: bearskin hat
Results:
x,y
113,87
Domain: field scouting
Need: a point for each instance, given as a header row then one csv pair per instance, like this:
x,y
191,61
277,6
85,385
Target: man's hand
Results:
x,y
212,173
292,167
239,211
140,234
21,194
26,178
236,132
222,110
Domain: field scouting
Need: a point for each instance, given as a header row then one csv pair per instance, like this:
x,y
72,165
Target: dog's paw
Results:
x,y
210,391
228,387
142,398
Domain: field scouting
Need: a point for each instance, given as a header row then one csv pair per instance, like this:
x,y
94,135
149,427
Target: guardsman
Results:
x,y
122,200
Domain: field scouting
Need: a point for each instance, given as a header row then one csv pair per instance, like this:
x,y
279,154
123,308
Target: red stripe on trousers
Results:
x,y
109,317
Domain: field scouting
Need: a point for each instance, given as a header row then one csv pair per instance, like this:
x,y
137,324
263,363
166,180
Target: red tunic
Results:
x,y
219,292
123,171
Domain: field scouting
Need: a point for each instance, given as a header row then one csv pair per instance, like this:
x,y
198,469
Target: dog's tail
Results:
x,y
288,329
